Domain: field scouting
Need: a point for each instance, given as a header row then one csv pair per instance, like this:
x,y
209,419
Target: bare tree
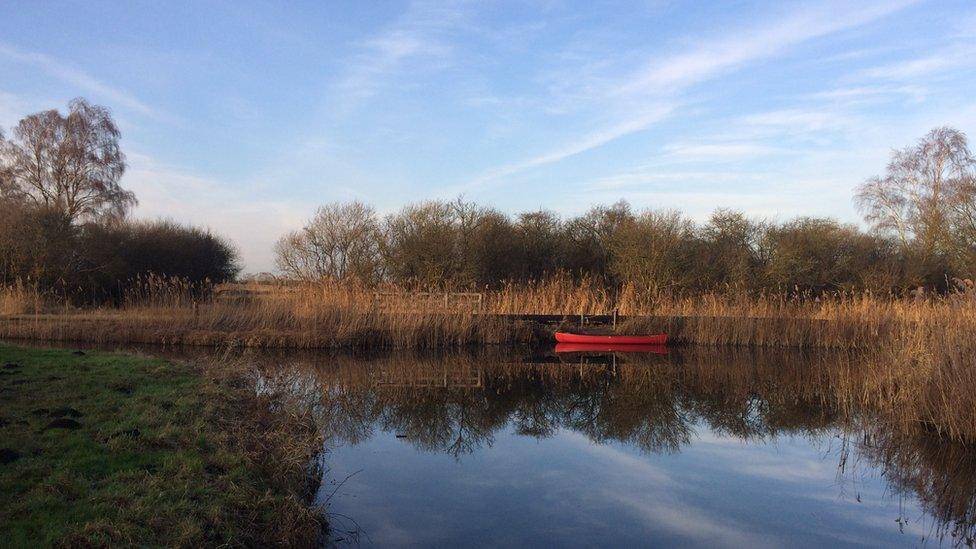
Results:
x,y
590,238
652,250
71,164
731,254
421,244
341,241
925,193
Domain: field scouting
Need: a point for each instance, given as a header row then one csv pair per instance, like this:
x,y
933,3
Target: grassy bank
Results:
x,y
110,449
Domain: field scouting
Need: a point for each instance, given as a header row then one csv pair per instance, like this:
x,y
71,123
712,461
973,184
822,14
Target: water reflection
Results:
x,y
650,433
455,404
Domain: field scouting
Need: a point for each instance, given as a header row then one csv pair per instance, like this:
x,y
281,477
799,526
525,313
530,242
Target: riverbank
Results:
x,y
919,350
108,449
332,315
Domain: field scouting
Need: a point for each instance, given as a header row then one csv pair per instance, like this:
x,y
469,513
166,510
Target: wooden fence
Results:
x,y
447,302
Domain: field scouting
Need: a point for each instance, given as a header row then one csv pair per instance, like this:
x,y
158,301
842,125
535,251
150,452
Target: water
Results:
x,y
688,449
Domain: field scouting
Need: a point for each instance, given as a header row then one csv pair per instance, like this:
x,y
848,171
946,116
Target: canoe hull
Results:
x,y
656,339
610,348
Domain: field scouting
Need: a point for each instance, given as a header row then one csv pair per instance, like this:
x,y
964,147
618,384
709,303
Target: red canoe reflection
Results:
x,y
656,339
610,348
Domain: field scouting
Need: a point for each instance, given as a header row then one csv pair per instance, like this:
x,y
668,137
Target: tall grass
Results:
x,y
920,351
310,316
20,298
329,314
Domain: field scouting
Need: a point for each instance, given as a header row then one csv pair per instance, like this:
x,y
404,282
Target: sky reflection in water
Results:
x,y
677,451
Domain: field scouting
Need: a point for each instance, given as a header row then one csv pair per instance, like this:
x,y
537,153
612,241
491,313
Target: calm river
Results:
x,y
689,448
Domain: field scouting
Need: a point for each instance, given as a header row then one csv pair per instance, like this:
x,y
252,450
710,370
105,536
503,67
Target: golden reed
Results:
x,y
920,351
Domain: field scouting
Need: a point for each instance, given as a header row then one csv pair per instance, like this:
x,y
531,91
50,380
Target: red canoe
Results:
x,y
657,339
610,348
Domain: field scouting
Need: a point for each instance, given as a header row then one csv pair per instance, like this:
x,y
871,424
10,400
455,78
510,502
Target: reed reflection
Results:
x,y
659,403
656,402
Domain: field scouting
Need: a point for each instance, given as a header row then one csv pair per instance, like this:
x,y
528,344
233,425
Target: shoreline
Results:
x,y
446,331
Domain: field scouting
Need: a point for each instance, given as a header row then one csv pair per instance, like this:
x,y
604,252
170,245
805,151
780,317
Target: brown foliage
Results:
x,y
67,163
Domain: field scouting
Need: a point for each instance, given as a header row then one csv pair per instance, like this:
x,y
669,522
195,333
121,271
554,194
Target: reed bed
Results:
x,y
20,298
919,351
310,316
329,314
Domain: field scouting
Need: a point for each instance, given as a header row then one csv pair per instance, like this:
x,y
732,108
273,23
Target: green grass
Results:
x,y
163,455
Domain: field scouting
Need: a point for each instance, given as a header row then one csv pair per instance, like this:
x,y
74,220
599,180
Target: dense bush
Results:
x,y
96,263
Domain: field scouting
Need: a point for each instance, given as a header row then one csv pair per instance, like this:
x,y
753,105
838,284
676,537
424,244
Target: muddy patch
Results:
x,y
63,423
65,412
124,388
8,455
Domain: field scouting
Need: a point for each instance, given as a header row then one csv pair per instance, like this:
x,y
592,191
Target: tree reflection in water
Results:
x,y
456,404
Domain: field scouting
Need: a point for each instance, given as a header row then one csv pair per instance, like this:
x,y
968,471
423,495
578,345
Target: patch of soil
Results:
x,y
54,378
64,412
63,423
124,388
11,366
213,469
8,455
40,412
78,353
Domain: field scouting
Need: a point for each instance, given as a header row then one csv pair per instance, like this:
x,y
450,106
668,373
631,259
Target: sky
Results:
x,y
243,117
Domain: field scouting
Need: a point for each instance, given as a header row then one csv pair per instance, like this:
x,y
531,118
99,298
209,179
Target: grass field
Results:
x,y
111,449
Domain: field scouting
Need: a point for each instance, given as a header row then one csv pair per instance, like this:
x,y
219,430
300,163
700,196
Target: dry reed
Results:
x,y
920,351
20,298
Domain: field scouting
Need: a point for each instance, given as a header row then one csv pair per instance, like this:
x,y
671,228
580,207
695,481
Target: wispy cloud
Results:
x,y
713,152
860,94
660,82
657,177
417,35
79,79
769,39
590,141
963,55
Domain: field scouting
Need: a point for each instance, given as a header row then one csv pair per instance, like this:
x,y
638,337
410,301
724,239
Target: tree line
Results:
x,y
922,213
64,227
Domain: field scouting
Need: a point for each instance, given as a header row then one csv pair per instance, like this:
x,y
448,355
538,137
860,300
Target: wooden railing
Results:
x,y
448,302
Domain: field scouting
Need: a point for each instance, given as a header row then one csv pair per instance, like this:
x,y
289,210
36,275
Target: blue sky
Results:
x,y
244,116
